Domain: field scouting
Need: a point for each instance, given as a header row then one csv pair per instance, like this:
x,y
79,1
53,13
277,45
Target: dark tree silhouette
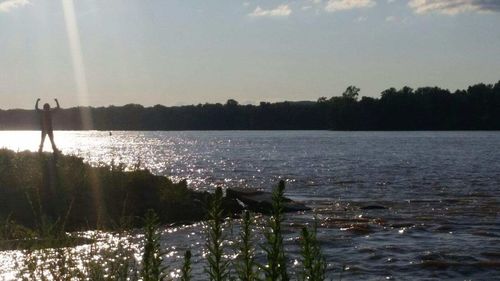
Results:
x,y
427,108
351,92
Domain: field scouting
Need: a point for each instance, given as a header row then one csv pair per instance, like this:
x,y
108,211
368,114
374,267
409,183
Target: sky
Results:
x,y
177,52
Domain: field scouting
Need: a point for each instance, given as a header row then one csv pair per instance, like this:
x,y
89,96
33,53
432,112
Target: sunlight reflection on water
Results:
x,y
440,190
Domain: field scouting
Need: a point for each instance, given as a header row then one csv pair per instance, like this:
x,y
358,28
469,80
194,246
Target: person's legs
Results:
x,y
51,137
44,134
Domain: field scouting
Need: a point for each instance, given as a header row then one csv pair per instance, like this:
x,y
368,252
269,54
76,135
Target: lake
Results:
x,y
439,191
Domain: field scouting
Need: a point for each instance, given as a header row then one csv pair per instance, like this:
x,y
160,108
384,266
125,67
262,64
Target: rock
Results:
x,y
199,205
231,206
261,201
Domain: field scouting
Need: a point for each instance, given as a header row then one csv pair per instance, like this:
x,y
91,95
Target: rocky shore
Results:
x,y
63,191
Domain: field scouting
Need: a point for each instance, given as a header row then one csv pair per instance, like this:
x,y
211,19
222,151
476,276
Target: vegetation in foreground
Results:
x,y
118,262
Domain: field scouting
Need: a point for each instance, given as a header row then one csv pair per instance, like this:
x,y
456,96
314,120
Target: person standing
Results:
x,y
46,123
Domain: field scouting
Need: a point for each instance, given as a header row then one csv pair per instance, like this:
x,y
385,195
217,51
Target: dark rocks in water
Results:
x,y
231,206
373,207
196,208
261,201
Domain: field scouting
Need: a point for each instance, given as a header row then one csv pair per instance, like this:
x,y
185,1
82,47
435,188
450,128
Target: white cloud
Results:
x,y
453,7
280,11
342,5
7,5
315,5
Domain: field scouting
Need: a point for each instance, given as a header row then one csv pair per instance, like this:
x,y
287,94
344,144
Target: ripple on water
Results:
x,y
439,189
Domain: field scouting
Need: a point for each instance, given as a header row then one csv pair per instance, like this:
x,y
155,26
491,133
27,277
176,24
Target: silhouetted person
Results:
x,y
46,123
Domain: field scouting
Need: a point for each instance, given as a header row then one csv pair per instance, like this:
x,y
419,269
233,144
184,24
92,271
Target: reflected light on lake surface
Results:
x,y
21,140
95,147
177,154
438,192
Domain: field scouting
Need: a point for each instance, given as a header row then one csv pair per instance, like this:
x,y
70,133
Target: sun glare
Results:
x,y
20,140
30,140
77,58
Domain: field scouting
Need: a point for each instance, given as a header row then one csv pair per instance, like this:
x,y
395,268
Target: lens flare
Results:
x,y
77,60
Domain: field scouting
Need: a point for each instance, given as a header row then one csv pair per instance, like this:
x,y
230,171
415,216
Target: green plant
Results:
x,y
275,269
11,230
313,261
217,266
186,267
246,266
152,258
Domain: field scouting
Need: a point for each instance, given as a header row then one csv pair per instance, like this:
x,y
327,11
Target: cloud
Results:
x,y
315,5
280,11
453,7
7,5
342,5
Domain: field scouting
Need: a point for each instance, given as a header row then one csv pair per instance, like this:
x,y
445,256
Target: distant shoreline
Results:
x,y
425,109
256,130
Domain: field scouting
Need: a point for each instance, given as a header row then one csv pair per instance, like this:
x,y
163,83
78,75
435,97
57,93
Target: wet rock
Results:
x,y
261,201
231,206
200,203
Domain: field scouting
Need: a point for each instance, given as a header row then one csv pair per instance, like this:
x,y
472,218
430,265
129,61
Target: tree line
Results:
x,y
426,108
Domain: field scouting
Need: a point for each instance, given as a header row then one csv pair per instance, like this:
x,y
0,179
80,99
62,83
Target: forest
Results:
x,y
427,108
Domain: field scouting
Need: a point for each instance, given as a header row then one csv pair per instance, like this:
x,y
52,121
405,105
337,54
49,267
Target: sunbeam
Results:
x,y
82,91
77,60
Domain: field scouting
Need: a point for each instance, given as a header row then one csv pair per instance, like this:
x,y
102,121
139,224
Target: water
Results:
x,y
441,191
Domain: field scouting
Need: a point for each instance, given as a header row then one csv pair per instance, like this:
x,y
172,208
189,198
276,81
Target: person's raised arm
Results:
x,y
36,105
57,103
